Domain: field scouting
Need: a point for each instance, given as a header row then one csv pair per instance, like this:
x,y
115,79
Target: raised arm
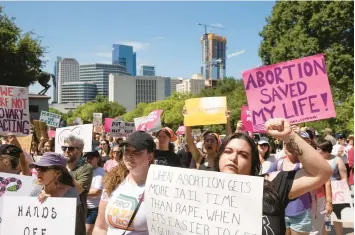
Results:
x,y
196,154
228,124
316,171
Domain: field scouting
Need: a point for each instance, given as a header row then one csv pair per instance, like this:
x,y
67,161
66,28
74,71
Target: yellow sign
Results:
x,y
205,111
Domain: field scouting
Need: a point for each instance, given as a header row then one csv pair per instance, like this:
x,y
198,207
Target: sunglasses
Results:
x,y
116,151
44,168
70,149
264,145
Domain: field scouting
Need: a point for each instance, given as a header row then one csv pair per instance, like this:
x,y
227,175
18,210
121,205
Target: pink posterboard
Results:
x,y
152,122
51,133
108,123
180,130
297,90
245,116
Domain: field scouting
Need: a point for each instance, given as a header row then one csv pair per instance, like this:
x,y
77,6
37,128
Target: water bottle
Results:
x,y
327,223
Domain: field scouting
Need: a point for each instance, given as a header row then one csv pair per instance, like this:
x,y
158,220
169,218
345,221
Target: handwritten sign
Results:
x,y
245,116
33,217
152,122
14,111
297,90
205,111
15,185
340,192
120,128
82,131
52,119
186,201
97,119
108,124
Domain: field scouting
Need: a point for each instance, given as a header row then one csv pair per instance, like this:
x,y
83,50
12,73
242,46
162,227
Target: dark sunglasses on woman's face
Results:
x,y
70,149
43,168
116,151
264,145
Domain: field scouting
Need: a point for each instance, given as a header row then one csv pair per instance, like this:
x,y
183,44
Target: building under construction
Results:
x,y
213,65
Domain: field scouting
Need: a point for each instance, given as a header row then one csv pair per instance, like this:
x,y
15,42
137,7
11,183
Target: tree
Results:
x,y
298,29
99,105
20,54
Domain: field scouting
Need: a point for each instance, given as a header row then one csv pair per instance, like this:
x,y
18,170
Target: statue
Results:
x,y
43,79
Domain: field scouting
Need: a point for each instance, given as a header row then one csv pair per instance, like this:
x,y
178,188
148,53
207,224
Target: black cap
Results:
x,y
91,154
9,149
140,140
341,136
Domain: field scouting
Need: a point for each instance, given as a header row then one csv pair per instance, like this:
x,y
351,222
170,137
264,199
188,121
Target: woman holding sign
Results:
x,y
239,155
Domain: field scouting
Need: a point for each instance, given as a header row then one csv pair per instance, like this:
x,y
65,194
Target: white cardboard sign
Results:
x,y
56,216
15,185
52,119
120,128
187,201
82,131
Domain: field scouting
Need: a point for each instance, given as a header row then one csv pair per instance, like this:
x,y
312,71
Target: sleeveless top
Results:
x,y
203,167
302,203
333,165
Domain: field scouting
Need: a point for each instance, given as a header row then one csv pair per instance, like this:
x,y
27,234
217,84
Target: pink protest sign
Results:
x,y
51,133
245,116
297,90
181,130
152,122
108,123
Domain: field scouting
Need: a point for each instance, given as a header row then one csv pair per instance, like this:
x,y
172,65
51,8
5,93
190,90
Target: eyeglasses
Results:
x,y
44,168
70,149
116,151
264,145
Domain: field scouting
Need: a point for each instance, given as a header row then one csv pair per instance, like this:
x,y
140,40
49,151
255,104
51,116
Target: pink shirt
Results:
x,y
109,165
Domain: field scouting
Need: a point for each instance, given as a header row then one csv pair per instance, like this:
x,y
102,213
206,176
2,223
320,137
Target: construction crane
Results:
x,y
210,26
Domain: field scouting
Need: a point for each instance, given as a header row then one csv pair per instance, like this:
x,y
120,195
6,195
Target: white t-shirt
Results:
x,y
93,202
344,157
120,208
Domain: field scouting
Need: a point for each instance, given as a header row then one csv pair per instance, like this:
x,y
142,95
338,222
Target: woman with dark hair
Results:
x,y
239,155
339,173
56,180
104,150
264,154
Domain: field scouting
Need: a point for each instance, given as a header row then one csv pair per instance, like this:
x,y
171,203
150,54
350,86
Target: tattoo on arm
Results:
x,y
293,147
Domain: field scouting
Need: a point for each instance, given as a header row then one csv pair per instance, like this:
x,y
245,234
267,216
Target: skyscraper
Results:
x,y
68,72
147,70
213,58
124,55
56,74
99,73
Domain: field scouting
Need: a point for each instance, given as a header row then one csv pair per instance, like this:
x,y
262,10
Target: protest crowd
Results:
x,y
145,178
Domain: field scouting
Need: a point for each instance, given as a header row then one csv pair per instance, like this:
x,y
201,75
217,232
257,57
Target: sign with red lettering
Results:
x,y
340,192
152,122
297,90
14,111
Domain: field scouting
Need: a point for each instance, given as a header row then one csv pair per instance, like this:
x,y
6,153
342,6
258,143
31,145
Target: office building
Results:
x,y
124,56
56,74
68,72
173,83
147,70
98,74
78,92
193,86
213,65
130,91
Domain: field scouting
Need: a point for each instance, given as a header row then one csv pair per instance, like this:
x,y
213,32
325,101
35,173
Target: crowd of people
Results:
x,y
297,164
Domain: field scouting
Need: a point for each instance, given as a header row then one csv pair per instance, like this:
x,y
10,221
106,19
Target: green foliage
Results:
x,y
20,54
298,29
99,105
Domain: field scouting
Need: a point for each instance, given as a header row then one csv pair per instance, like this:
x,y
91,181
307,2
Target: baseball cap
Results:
x,y
9,149
341,136
263,140
91,154
140,140
50,159
169,132
304,134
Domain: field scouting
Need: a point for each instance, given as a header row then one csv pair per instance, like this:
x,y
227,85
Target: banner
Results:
x,y
14,111
245,116
82,131
152,122
120,128
187,201
56,216
15,185
138,121
51,119
97,119
205,111
297,90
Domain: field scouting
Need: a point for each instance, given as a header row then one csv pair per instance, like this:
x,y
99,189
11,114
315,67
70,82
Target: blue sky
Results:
x,y
165,34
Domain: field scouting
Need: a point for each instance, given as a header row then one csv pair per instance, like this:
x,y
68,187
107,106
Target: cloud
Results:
x,y
137,46
218,25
